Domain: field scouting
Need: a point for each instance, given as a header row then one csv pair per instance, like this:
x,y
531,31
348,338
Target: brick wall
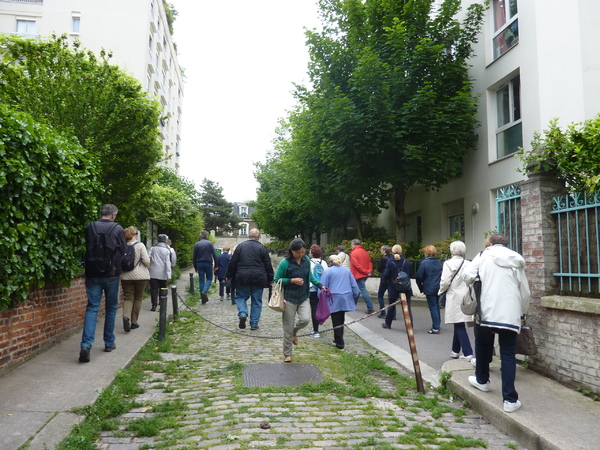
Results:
x,y
565,328
51,314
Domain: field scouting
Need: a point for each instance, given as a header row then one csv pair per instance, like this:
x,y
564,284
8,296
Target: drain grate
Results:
x,y
280,374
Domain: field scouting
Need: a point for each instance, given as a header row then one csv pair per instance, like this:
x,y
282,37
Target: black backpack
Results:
x,y
101,249
402,282
128,259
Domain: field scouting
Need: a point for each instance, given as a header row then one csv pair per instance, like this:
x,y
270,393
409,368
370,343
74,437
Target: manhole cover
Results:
x,y
280,374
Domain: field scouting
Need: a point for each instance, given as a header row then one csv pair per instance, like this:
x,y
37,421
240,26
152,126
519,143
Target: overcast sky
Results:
x,y
240,59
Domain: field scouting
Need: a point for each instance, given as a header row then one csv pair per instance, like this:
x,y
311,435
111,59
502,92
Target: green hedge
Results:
x,y
48,192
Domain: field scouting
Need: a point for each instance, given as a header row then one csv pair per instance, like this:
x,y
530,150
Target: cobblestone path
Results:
x,y
195,396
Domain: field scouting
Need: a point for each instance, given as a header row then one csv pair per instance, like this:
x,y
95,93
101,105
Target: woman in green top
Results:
x,y
295,274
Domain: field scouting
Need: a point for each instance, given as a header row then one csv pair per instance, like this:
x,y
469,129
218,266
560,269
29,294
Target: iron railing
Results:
x,y
577,221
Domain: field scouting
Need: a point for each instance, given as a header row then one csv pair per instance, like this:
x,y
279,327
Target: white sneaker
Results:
x,y
453,355
474,362
482,387
315,335
511,407
467,358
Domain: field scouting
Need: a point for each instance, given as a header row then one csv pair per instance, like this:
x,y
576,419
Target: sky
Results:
x,y
240,60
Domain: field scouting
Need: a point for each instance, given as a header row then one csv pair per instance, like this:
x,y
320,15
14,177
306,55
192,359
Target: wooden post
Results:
x,y
413,345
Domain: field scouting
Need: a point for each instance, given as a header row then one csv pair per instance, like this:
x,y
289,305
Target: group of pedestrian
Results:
x,y
107,243
504,296
503,301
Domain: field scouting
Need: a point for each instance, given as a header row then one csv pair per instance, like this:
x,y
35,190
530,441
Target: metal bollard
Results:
x,y
191,283
175,304
162,318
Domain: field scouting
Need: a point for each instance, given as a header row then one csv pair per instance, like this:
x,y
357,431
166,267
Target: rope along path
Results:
x,y
192,310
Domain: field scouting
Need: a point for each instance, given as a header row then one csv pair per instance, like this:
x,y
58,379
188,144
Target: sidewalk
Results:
x,y
553,417
35,398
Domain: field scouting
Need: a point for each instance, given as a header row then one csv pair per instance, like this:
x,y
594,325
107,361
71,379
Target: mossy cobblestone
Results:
x,y
203,372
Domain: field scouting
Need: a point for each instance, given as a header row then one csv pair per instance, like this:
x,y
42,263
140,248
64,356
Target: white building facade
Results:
x,y
536,60
135,31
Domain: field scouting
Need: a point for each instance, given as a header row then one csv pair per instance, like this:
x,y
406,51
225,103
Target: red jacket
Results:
x,y
360,262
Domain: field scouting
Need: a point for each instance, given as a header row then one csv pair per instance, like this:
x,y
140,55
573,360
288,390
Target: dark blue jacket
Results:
x,y
429,275
222,264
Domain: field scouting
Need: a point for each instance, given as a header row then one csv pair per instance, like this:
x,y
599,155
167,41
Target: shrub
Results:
x,y
48,192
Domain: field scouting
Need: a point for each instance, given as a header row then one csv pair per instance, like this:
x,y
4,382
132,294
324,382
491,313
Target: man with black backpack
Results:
x,y
105,245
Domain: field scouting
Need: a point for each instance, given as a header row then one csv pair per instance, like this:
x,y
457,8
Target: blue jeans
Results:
x,y
242,293
484,346
205,274
434,310
362,287
94,286
382,288
461,340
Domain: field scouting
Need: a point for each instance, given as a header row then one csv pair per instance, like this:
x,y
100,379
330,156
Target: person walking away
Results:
x,y
173,254
455,288
344,258
361,267
105,246
222,264
342,285
251,271
160,269
395,264
317,266
295,275
428,281
134,281
504,300
204,257
383,286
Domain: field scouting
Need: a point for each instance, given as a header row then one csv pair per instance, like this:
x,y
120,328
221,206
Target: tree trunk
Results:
x,y
358,218
400,219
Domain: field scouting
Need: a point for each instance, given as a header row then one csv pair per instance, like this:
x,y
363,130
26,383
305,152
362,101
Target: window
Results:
x,y
508,215
509,133
75,25
456,224
243,229
506,26
26,26
243,211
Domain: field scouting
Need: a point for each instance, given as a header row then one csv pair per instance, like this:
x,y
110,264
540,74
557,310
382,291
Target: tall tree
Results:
x,y
392,89
217,212
81,94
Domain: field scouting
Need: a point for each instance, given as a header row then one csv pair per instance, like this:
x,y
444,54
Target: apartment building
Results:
x,y
536,60
137,33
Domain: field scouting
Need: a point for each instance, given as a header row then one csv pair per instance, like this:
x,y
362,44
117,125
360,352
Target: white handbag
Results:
x,y
276,302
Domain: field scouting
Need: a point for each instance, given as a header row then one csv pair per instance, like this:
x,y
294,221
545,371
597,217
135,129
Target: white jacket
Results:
x,y
455,291
505,291
160,262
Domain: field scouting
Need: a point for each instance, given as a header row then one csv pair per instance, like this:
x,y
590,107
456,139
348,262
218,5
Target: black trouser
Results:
x,y
338,318
314,301
155,286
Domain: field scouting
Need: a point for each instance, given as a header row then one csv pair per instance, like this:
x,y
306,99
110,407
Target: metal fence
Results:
x,y
508,215
577,221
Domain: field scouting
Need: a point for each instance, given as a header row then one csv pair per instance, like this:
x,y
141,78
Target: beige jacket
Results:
x,y
142,263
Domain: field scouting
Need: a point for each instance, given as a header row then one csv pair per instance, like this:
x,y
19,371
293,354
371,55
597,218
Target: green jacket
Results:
x,y
285,272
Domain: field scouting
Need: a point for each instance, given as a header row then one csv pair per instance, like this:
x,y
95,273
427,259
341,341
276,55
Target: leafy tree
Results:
x,y
171,14
77,93
174,204
48,192
573,153
217,212
392,96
